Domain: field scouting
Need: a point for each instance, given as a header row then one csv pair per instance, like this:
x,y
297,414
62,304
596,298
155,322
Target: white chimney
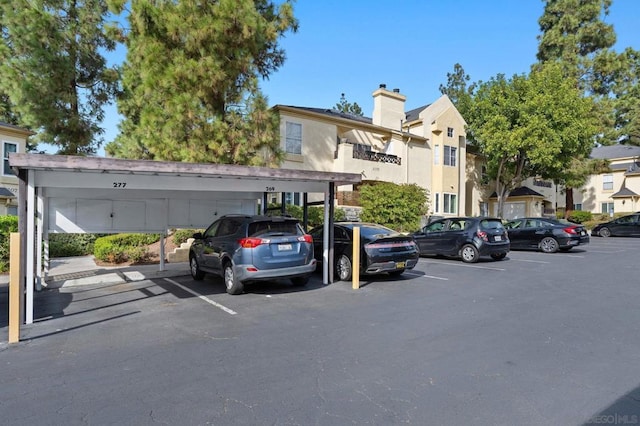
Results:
x,y
388,108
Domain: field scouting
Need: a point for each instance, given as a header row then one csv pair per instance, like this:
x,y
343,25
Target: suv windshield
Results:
x,y
288,227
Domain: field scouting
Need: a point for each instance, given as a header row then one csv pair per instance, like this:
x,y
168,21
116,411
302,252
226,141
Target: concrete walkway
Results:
x,y
82,270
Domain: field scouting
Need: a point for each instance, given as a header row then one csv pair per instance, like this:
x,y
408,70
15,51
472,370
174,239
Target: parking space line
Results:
x,y
464,265
526,260
426,276
607,252
199,296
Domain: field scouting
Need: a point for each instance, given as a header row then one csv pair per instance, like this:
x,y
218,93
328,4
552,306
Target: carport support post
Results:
x,y
15,289
31,257
355,269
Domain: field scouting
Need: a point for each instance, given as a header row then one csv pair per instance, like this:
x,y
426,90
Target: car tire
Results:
x,y
343,268
549,245
604,232
231,282
498,256
469,253
194,267
300,281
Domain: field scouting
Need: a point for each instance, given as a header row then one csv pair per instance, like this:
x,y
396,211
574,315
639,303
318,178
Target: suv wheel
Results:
x,y
549,245
196,273
469,253
604,232
231,281
343,268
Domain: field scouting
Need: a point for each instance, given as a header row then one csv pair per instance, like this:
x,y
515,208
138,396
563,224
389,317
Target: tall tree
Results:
x,y
459,90
348,107
191,81
627,95
530,126
574,34
53,71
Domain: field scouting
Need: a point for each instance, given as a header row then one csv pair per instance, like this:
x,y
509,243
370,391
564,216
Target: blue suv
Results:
x,y
242,248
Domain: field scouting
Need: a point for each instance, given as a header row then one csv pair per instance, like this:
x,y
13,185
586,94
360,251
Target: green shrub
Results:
x,y
579,216
182,235
121,248
315,214
8,224
65,245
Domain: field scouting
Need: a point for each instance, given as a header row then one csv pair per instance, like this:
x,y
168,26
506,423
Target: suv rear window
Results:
x,y
490,224
288,227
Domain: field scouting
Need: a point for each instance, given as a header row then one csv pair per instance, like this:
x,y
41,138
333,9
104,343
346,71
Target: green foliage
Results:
x,y
579,216
191,78
65,245
315,214
8,224
181,236
121,248
459,90
399,207
348,107
53,70
531,126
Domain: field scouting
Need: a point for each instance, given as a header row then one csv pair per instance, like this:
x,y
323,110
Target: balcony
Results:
x,y
364,152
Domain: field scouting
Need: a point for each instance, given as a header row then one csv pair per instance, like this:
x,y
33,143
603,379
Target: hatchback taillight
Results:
x,y
571,230
252,242
306,238
482,235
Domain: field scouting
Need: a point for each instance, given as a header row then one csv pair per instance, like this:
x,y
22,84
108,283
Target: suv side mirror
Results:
x,y
197,235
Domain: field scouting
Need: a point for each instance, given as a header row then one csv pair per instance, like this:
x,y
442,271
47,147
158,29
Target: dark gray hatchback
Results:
x,y
242,248
466,237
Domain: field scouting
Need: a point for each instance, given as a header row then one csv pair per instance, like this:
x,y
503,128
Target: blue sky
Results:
x,y
352,46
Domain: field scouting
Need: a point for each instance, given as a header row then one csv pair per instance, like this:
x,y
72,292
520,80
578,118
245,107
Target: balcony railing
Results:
x,y
380,157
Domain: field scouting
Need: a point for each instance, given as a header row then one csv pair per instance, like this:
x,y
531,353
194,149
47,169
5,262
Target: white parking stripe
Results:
x,y
465,265
413,274
525,260
199,296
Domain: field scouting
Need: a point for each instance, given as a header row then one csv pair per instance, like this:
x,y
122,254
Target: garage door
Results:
x,y
512,210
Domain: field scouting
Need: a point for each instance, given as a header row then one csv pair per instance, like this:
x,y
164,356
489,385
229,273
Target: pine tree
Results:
x,y
191,78
53,72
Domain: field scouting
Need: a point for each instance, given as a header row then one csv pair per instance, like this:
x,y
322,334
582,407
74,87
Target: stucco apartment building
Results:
x,y
424,146
617,190
12,139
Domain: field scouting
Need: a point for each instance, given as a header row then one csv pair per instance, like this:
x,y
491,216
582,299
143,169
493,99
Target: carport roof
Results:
x,y
67,163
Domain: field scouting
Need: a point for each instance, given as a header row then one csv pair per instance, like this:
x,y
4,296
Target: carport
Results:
x,y
70,194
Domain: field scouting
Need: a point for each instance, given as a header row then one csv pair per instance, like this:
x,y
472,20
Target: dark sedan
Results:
x,y
381,249
547,235
625,226
465,237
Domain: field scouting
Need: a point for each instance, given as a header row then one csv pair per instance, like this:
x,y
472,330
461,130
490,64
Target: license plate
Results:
x,y
399,265
583,233
497,238
284,247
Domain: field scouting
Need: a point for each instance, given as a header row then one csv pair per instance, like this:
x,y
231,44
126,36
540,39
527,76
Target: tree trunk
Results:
x,y
568,202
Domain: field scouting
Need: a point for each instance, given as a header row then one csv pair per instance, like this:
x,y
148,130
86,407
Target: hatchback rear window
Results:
x,y
288,227
490,224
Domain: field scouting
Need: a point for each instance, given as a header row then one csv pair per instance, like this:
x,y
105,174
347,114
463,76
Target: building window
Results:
x,y
450,132
436,155
484,209
607,208
293,141
292,198
577,206
450,155
436,203
607,182
484,178
450,203
8,147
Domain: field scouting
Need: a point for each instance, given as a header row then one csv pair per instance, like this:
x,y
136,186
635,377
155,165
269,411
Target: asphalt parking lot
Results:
x,y
534,339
